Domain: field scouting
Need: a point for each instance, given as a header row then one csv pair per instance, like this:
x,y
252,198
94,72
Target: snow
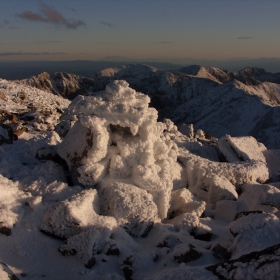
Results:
x,y
129,197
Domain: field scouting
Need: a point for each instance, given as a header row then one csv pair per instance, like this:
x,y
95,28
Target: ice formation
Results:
x,y
117,137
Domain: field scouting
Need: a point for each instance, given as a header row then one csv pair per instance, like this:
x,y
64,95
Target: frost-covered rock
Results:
x,y
241,148
185,223
90,246
204,175
117,136
11,204
220,188
169,241
261,197
183,201
6,134
137,263
184,253
262,264
254,231
245,221
72,216
133,208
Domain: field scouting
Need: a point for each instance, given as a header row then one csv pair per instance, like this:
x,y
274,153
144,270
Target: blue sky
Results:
x,y
92,29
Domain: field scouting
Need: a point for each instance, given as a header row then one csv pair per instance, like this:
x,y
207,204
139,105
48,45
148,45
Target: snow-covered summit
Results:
x,y
132,197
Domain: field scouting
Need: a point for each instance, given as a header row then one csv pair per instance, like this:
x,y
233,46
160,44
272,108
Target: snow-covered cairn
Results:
x,y
118,144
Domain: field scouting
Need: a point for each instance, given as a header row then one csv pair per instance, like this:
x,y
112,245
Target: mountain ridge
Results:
x,y
215,100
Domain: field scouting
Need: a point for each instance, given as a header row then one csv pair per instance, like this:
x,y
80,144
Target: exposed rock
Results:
x,y
127,267
207,236
45,154
185,253
262,264
5,230
170,241
136,263
90,245
6,134
60,83
220,252
3,96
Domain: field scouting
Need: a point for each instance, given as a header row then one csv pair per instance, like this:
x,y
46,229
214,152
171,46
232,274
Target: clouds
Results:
x,y
5,24
50,15
244,38
111,25
29,53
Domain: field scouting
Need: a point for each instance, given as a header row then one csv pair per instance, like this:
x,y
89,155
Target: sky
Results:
x,y
139,29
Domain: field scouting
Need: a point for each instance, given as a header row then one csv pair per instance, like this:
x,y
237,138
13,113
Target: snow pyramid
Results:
x,y
118,144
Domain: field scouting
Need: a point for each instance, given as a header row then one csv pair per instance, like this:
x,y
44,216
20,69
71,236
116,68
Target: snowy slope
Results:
x,y
99,189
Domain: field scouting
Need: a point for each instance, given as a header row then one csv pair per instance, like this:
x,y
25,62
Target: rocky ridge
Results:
x,y
217,101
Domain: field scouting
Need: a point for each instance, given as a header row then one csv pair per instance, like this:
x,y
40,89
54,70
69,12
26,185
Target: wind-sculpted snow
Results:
x,y
132,198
